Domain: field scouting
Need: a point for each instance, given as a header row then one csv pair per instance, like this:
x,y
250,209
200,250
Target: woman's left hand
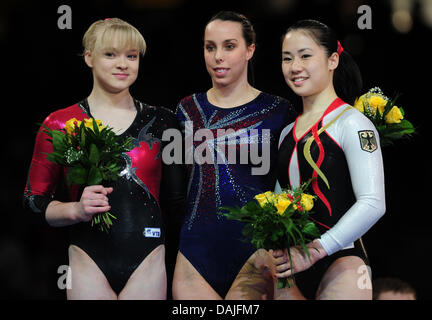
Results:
x,y
300,260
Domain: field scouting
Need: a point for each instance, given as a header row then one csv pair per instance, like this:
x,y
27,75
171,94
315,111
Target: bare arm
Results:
x,y
93,200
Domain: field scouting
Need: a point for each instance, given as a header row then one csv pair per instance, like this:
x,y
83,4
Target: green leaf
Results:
x,y
77,175
300,238
94,176
83,141
111,215
387,108
282,283
58,139
94,154
311,229
405,124
95,126
47,130
54,157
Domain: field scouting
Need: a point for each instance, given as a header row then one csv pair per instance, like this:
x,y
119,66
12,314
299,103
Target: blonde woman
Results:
x,y
124,263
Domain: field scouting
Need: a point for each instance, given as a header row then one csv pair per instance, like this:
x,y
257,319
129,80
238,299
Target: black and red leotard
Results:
x,y
136,197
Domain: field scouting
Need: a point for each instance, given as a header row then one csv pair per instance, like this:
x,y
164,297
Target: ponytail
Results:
x,y
347,79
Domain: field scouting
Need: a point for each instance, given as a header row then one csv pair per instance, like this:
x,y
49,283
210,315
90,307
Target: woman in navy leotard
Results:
x,y
129,261
339,147
231,116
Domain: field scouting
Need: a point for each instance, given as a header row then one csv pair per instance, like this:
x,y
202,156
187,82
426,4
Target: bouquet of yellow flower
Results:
x,y
92,153
385,115
277,221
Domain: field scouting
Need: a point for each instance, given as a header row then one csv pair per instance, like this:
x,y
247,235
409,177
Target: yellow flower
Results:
x,y
373,102
89,123
264,198
281,204
271,197
307,201
358,104
394,115
71,124
377,101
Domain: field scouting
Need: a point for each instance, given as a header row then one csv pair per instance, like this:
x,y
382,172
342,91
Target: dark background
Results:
x,y
43,71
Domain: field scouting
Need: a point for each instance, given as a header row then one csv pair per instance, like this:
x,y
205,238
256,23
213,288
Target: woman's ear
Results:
x,y
88,58
250,51
333,61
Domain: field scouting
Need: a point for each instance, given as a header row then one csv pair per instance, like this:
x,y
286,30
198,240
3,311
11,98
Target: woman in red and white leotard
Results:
x,y
344,157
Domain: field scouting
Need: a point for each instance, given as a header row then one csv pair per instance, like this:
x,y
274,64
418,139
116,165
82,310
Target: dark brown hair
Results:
x,y
391,284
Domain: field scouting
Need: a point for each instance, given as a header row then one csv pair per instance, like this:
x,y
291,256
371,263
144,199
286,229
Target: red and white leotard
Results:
x,y
349,156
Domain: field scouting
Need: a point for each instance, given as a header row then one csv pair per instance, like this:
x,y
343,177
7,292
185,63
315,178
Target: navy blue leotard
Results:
x,y
211,243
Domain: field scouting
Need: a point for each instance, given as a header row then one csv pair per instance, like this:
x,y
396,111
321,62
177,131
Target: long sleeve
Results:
x,y
42,176
367,176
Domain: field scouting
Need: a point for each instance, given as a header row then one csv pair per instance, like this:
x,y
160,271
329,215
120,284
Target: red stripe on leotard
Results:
x,y
315,186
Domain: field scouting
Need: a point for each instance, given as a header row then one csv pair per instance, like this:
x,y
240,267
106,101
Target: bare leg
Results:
x,y
254,281
188,284
341,281
88,281
148,281
292,293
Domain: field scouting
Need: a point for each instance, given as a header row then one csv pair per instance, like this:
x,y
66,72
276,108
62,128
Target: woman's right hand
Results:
x,y
300,261
93,200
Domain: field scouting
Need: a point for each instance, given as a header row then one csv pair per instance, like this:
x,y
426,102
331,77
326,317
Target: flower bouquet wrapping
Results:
x,y
385,115
277,221
92,153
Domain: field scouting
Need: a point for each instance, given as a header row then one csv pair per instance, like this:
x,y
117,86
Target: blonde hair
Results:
x,y
101,34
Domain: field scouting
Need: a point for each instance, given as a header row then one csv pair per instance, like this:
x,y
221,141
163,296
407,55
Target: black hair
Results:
x,y
387,284
248,32
347,79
